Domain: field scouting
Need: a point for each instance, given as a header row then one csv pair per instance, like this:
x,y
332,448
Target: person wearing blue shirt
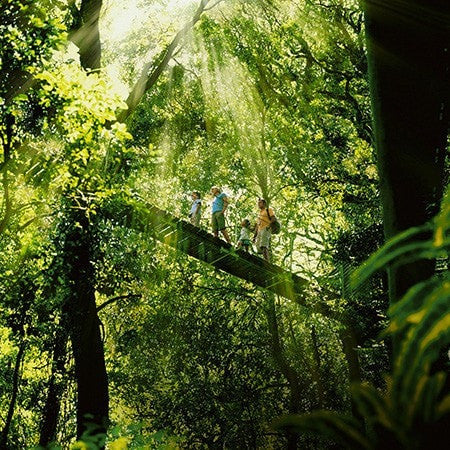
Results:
x,y
219,206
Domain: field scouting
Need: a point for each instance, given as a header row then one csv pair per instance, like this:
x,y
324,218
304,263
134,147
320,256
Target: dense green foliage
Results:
x,y
413,410
263,98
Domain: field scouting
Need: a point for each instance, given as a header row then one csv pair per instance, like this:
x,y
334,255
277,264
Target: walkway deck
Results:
x,y
203,246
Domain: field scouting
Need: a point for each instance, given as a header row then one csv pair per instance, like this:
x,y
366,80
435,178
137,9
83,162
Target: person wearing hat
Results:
x,y
219,206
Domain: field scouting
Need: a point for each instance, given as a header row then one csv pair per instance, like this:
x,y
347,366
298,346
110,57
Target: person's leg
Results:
x,y
225,235
222,227
265,243
258,243
214,224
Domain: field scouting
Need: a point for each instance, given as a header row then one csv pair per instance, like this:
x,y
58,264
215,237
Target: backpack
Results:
x,y
275,226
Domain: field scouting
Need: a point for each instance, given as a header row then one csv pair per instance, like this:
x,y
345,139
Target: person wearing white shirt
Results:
x,y
245,237
196,209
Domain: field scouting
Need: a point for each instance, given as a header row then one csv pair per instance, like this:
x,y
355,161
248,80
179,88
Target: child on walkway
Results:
x,y
244,241
196,209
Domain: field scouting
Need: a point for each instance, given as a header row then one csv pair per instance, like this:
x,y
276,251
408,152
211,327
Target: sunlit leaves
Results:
x,y
86,106
27,36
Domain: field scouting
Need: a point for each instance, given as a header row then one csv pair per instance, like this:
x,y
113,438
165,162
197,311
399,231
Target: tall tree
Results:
x,y
409,55
85,32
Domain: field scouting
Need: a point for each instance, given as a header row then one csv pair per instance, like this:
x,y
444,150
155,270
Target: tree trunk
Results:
x,y
55,388
316,370
151,72
283,366
81,312
80,307
408,55
15,390
86,36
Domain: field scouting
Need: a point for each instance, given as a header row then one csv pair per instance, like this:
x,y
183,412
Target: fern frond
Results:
x,y
443,407
398,246
424,402
423,343
401,248
411,303
371,405
338,427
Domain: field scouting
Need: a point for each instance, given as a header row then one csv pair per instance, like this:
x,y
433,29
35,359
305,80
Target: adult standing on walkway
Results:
x,y
262,231
219,206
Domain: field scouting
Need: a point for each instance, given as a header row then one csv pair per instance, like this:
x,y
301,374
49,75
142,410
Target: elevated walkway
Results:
x,y
203,246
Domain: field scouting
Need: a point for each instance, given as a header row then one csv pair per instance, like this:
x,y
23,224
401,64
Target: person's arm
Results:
x,y
272,216
225,203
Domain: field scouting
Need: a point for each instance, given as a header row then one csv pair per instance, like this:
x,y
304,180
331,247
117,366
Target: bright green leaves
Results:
x,y
27,36
84,119
442,228
44,92
87,103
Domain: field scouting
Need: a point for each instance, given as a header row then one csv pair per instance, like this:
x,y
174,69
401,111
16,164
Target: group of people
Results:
x,y
259,233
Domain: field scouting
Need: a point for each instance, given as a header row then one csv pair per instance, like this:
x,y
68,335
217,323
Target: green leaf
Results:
x,y
342,429
388,253
423,343
372,405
